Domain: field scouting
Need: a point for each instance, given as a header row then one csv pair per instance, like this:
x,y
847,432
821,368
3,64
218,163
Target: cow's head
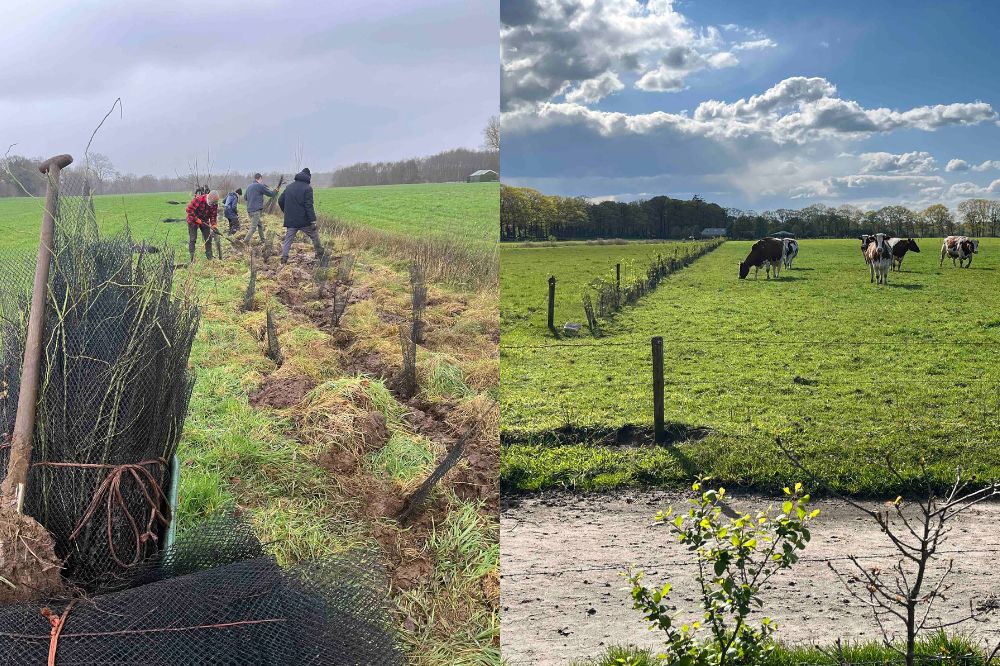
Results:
x,y
865,240
880,245
912,245
744,269
975,245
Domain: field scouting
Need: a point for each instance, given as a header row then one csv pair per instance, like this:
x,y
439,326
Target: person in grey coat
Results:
x,y
296,202
255,205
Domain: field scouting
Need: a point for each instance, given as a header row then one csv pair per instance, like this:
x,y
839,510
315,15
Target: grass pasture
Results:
x,y
469,211
465,210
526,270
842,370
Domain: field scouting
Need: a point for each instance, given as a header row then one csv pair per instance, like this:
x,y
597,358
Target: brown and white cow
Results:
x,y
866,240
767,252
878,254
959,247
900,246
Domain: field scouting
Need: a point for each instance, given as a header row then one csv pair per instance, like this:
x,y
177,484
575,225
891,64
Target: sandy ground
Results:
x,y
563,598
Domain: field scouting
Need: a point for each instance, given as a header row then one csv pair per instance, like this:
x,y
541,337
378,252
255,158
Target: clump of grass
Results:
x,y
453,620
940,649
450,259
404,457
336,414
444,379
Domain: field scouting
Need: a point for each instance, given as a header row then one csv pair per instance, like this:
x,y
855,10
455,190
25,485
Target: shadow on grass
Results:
x,y
624,436
911,287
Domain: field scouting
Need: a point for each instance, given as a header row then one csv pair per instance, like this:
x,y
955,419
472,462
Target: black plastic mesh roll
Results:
x,y
113,394
222,610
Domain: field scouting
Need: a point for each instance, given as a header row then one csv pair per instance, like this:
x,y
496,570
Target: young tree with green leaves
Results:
x,y
735,558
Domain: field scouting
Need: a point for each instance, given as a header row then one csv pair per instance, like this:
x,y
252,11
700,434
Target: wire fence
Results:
x,y
587,384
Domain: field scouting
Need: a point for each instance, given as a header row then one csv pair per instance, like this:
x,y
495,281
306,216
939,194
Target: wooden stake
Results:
x,y
14,485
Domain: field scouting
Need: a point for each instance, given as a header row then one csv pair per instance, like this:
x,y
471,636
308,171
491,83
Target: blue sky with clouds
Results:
x,y
760,104
247,81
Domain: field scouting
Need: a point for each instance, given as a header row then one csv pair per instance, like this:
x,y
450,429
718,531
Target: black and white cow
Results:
x,y
878,254
767,252
791,250
959,247
900,246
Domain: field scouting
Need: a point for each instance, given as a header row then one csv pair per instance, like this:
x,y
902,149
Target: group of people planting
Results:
x,y
295,202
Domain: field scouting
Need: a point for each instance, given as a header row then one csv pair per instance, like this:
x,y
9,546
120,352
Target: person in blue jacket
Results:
x,y
229,209
296,202
255,205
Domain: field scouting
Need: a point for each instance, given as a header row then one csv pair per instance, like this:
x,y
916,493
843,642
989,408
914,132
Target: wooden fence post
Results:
x,y
552,302
618,285
658,425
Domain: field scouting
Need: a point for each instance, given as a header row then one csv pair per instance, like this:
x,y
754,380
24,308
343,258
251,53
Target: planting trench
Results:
x,y
440,421
563,597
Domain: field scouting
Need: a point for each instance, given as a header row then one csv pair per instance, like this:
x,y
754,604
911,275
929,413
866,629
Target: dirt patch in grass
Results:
x,y
281,392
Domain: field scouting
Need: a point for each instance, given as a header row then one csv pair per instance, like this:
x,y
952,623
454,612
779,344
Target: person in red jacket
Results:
x,y
202,213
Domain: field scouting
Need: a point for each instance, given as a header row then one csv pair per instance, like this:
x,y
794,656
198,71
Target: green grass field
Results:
x,y
468,210
843,370
526,270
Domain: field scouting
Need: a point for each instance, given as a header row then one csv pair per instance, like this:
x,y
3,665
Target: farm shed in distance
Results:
x,y
713,232
783,234
482,176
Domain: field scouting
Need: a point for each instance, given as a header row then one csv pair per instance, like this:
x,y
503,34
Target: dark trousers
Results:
x,y
234,224
309,231
206,233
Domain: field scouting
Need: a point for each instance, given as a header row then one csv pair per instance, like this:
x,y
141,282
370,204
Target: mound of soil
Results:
x,y
281,393
29,568
373,434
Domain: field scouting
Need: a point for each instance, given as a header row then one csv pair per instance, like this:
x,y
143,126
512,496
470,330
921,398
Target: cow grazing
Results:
x,y
878,254
767,252
900,246
961,248
791,250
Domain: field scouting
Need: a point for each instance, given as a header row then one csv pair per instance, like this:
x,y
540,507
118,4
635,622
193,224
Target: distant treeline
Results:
x,y
526,214
19,177
446,167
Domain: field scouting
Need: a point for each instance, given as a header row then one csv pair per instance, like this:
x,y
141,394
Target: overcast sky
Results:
x,y
351,80
757,104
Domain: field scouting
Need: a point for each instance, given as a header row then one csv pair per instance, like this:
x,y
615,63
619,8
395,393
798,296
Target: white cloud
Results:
x,y
987,165
962,165
596,89
797,110
678,63
755,44
866,185
914,162
549,46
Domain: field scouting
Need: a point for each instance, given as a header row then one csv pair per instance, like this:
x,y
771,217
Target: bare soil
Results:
x,y
281,392
563,598
29,567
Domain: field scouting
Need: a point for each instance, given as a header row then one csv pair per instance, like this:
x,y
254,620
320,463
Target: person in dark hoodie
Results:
x,y
296,202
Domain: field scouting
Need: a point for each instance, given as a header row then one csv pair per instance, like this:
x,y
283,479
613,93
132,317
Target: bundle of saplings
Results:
x,y
113,393
215,597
